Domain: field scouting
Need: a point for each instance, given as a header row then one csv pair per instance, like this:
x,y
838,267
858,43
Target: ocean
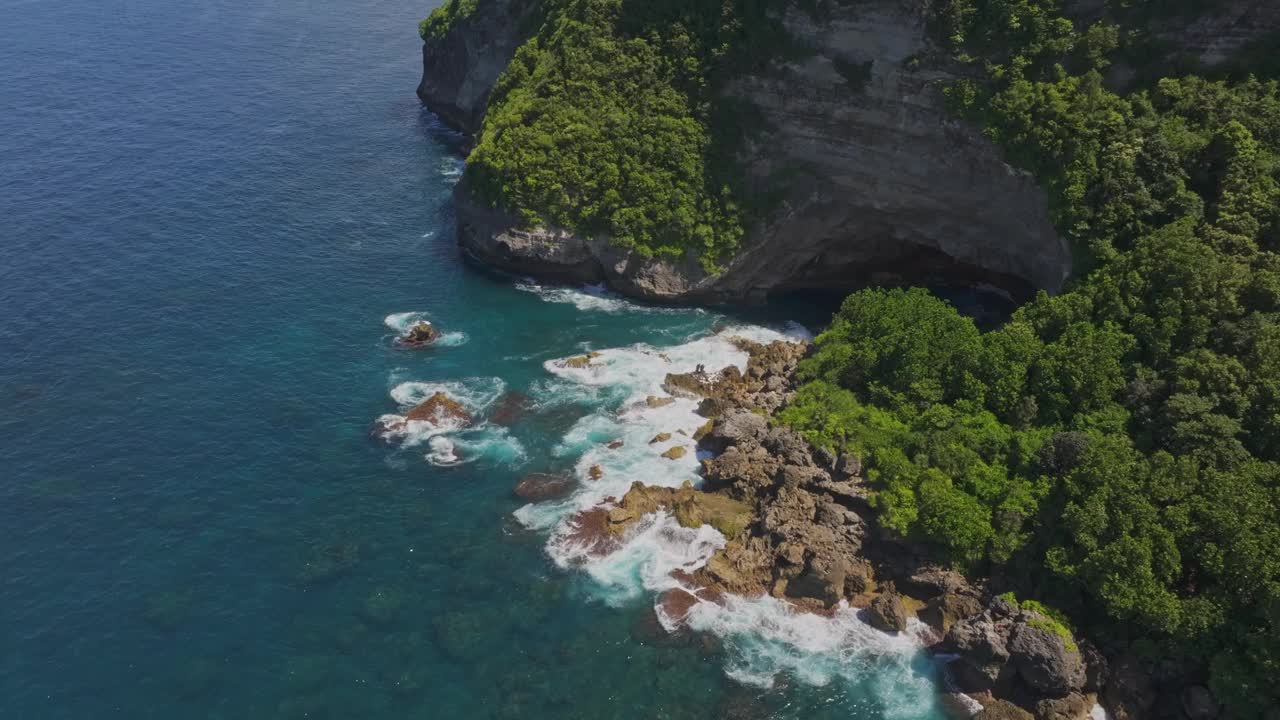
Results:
x,y
216,217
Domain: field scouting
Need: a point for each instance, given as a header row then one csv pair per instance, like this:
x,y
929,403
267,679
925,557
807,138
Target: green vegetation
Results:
x,y
608,122
444,17
1116,447
1050,620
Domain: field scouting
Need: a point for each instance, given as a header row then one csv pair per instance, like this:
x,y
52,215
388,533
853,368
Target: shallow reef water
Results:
x,y
217,218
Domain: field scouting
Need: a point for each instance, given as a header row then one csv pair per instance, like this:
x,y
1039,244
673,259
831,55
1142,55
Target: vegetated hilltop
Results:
x,y
1114,450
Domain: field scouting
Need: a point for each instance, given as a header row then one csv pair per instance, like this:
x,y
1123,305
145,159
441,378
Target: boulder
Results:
x,y
1072,706
438,410
949,608
887,612
539,487
654,401
822,579
420,334
981,643
595,472
616,444
675,453
660,438
1043,659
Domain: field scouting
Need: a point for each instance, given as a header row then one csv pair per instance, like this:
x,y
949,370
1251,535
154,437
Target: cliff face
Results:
x,y
460,68
883,185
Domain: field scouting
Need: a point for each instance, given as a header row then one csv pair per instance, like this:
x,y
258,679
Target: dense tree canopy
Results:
x,y
1117,446
607,122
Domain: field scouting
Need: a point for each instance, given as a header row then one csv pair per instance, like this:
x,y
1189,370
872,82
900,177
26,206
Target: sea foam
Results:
x,y
764,636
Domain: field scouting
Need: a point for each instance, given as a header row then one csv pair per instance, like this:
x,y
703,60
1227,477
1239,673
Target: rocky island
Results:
x,y
1079,506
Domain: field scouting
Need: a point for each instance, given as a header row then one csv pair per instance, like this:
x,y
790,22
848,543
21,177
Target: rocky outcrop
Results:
x,y
421,334
459,69
885,186
439,410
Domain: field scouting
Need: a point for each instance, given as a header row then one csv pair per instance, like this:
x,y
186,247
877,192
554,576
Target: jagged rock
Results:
x,y
744,566
592,531
847,466
675,453
420,334
654,401
949,608
595,472
887,612
703,430
438,410
823,579
660,438
509,408
1002,710
539,487
1199,704
691,508
981,643
616,444
1044,661
1072,706
579,361
788,445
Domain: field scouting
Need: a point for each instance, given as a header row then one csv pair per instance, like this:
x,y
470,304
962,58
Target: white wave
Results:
x,y
487,442
598,299
410,433
453,338
451,167
474,394
766,636
1097,712
627,377
401,322
651,551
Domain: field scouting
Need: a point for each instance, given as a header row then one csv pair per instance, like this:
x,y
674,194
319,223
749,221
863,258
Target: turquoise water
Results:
x,y
213,216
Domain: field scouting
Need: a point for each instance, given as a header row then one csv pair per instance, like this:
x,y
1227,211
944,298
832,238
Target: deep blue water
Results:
x,y
208,210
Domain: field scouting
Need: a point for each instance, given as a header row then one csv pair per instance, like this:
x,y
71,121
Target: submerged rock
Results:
x,y
539,487
509,408
675,453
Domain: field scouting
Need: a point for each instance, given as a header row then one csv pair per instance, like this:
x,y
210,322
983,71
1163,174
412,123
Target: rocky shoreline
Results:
x,y
800,527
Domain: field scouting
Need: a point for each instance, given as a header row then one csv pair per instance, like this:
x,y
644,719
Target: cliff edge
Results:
x,y
884,186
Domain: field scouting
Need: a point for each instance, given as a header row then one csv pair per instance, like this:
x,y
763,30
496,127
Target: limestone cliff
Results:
x,y
461,67
882,185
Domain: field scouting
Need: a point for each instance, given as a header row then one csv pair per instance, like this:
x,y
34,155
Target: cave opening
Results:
x,y
988,297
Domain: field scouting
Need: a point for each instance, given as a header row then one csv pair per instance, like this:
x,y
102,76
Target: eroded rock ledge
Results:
x,y
886,188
